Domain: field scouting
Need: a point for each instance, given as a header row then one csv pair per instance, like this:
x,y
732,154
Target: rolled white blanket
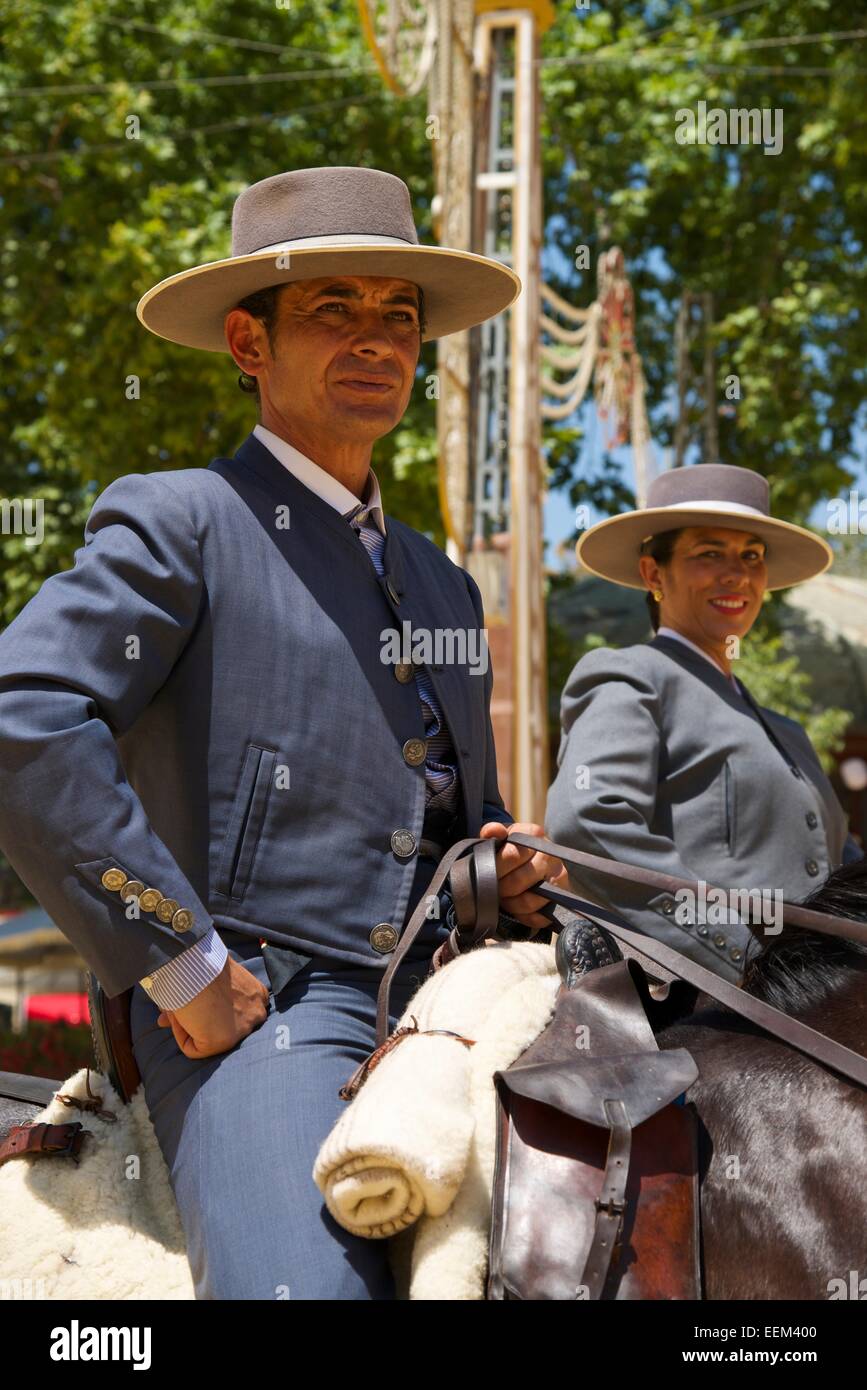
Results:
x,y
400,1150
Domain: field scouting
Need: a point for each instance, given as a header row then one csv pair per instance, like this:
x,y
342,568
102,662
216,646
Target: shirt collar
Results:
x,y
679,637
324,484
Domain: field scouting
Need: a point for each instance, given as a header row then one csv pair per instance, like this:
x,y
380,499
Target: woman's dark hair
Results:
x,y
263,304
660,548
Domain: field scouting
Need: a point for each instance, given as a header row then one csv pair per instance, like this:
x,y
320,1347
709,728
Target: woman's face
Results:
x,y
714,584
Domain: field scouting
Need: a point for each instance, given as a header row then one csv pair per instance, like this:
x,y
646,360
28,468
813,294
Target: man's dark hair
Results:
x,y
661,549
264,304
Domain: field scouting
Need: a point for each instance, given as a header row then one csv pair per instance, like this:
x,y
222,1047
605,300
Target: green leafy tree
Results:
x,y
111,184
777,239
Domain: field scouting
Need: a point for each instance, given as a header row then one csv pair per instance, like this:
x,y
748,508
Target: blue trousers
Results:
x,y
240,1133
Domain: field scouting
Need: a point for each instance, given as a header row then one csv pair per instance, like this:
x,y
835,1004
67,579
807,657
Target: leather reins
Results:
x,y
475,892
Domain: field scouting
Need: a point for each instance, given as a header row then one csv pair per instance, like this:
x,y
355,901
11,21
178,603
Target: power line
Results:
x,y
48,156
165,84
256,44
745,46
705,19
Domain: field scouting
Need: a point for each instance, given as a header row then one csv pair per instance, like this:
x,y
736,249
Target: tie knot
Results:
x,y
358,516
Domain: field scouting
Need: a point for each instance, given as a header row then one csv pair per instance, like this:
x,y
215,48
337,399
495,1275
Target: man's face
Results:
x,y
345,354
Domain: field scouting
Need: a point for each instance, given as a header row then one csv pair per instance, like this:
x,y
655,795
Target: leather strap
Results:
x,y
350,1090
793,914
64,1140
611,1204
412,929
475,893
789,1030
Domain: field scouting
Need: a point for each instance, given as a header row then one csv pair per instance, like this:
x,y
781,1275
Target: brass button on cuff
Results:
x,y
414,751
719,940
149,898
735,953
182,919
403,843
668,906
812,819
404,672
383,938
812,867
166,909
113,879
131,889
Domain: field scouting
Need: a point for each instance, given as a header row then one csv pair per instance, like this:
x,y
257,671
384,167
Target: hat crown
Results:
x,y
321,202
710,482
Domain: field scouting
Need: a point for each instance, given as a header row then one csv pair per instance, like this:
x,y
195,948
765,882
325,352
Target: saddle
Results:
x,y
595,1190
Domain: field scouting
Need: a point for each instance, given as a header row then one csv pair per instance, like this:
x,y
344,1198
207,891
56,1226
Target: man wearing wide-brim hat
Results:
x,y
216,775
666,761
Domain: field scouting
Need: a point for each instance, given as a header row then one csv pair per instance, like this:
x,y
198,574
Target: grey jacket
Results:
x,y
662,764
200,703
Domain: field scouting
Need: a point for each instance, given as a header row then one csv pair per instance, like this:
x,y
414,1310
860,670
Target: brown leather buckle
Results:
x,y
70,1143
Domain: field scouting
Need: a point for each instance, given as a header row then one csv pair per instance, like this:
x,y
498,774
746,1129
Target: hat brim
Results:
x,y
460,288
611,548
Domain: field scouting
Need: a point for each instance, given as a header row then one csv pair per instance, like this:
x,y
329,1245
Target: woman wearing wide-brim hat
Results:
x,y
665,759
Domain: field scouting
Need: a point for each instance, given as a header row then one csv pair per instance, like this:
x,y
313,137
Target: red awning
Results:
x,y
58,1008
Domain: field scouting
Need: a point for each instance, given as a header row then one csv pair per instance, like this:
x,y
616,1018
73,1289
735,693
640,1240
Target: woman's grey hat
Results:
x,y
328,221
705,494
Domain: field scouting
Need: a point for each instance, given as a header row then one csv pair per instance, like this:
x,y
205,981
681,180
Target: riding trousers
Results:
x,y
240,1131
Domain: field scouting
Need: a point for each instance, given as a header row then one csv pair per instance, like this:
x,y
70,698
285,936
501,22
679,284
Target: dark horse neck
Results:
x,y
821,980
781,1137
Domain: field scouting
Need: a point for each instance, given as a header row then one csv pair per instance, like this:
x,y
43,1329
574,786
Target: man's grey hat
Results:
x,y
327,221
706,494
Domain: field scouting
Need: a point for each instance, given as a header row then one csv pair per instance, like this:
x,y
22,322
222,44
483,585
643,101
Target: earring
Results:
x,y
657,594
247,383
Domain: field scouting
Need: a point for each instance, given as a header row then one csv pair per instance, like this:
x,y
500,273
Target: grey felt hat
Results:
x,y
705,494
327,221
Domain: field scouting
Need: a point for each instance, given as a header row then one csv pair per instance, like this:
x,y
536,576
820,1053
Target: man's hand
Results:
x,y
227,1010
518,868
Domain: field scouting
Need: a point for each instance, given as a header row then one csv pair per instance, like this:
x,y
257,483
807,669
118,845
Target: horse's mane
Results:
x,y
799,969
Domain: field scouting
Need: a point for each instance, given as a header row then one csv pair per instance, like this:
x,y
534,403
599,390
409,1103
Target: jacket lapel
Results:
x,y
422,607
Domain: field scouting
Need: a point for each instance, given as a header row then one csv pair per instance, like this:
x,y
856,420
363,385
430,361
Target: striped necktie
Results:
x,y
441,773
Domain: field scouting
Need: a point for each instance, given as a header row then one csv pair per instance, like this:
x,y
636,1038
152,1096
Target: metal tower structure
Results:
x,y
478,58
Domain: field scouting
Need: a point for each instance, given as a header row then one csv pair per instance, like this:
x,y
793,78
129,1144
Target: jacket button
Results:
x,y
736,953
719,940
812,819
812,867
149,899
403,843
182,919
166,909
404,672
391,590
383,938
702,931
668,906
131,889
414,751
113,879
